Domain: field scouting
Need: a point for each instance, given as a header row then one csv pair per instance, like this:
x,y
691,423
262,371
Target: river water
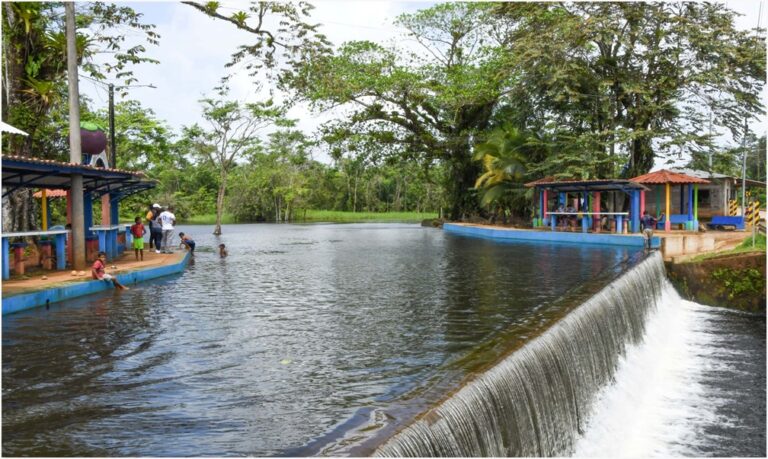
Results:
x,y
305,340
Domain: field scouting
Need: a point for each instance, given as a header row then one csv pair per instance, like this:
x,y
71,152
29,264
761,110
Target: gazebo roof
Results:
x,y
565,186
51,194
22,172
665,176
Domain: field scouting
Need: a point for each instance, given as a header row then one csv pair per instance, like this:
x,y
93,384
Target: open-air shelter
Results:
x,y
586,197
662,181
23,172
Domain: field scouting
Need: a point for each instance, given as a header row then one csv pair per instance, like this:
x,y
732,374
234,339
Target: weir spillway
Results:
x,y
537,400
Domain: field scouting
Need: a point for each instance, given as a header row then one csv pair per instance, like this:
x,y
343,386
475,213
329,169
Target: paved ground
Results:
x,y
33,278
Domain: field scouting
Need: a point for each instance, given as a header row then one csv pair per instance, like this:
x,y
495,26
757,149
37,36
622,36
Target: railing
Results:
x,y
620,218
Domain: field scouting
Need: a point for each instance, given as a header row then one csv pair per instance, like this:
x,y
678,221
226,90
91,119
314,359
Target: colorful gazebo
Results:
x,y
588,199
688,197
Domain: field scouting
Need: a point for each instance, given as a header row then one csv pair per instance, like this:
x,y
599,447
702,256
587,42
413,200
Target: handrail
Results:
x,y
587,213
36,233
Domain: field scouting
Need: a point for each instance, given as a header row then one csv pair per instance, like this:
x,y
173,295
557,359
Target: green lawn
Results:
x,y
325,216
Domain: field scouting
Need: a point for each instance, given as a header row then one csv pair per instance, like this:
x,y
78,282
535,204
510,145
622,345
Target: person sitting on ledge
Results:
x,y
98,271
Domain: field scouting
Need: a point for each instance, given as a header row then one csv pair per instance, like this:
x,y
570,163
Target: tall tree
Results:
x,y
424,104
233,130
639,76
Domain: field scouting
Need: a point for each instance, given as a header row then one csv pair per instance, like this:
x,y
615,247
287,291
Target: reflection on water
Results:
x,y
302,334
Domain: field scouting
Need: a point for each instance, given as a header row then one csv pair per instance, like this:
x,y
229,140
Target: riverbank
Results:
x,y
332,216
734,279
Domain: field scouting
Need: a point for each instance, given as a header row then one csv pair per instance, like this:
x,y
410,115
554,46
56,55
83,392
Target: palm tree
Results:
x,y
504,157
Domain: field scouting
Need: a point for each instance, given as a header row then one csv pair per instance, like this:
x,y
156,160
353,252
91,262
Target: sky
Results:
x,y
194,49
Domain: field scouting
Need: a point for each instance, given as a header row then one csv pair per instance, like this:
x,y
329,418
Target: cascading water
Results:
x,y
537,400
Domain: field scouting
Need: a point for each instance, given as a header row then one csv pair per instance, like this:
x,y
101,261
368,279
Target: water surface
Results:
x,y
305,339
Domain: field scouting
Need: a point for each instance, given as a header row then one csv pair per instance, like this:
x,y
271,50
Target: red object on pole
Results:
x,y
545,204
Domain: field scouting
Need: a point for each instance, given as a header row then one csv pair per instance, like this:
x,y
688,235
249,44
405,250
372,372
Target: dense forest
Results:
x,y
491,95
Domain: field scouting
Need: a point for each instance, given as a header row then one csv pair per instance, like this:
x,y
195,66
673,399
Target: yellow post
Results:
x,y
45,209
667,215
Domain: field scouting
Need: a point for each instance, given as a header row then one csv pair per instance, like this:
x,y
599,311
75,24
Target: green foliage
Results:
x,y
738,282
503,157
759,243
633,81
34,57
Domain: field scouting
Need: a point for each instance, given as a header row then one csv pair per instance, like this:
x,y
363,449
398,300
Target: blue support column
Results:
x,y
88,213
112,243
114,214
61,251
619,224
541,208
561,199
634,212
6,259
689,225
128,238
102,241
553,221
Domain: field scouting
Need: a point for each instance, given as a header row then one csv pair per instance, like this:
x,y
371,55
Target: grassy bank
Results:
x,y
336,216
744,247
325,216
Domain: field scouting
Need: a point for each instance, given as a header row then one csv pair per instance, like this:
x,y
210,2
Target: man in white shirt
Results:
x,y
167,222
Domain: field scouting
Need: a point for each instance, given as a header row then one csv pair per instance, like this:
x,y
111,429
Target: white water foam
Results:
x,y
657,406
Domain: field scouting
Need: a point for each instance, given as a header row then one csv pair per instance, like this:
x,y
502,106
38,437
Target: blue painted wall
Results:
x,y
24,301
553,236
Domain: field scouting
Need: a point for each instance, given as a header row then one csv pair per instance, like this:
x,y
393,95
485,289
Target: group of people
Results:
x,y
568,222
161,223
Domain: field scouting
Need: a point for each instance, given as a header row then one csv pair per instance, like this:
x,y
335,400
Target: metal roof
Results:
x,y
22,172
664,176
566,186
715,176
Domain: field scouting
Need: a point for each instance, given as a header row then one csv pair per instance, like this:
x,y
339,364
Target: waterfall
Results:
x,y
535,401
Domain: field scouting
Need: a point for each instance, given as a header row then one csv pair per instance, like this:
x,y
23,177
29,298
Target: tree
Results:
x,y
34,70
284,37
425,105
233,133
503,162
639,76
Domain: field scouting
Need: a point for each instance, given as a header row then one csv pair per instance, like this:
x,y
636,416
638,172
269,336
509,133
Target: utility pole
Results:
x,y
75,147
744,170
112,145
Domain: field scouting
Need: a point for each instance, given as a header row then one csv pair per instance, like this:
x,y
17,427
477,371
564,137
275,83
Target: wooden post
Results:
x,y
44,204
